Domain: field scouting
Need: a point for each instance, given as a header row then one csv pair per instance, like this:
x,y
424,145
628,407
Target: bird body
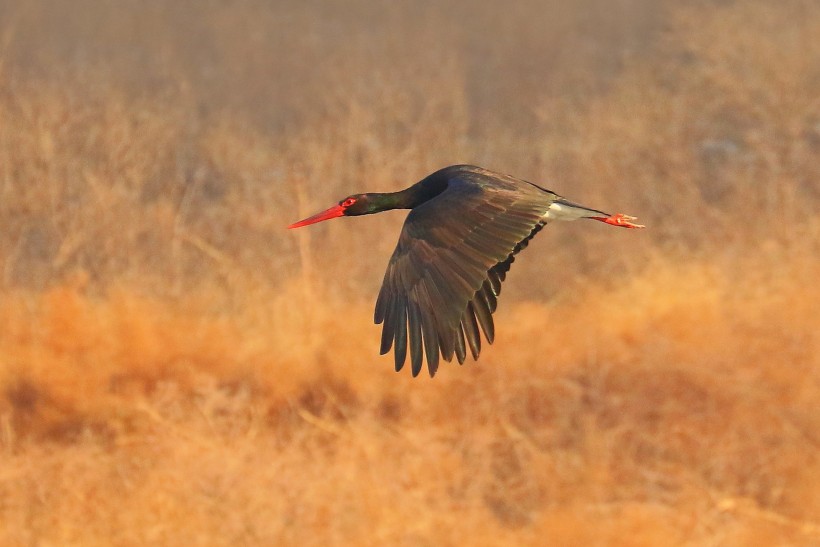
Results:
x,y
457,244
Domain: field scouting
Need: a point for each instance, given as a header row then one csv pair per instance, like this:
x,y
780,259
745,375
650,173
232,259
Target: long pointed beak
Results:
x,y
333,212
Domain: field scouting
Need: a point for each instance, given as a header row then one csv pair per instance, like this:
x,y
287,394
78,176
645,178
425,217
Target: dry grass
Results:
x,y
176,369
679,404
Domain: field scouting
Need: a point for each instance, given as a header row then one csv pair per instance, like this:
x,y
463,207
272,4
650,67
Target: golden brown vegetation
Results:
x,y
177,369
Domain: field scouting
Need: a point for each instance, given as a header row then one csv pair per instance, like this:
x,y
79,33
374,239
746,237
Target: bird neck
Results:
x,y
403,199
408,198
418,193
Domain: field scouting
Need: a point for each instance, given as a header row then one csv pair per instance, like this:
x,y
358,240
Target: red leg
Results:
x,y
620,220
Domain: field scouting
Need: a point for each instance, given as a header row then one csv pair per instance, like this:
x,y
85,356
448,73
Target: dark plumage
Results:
x,y
454,251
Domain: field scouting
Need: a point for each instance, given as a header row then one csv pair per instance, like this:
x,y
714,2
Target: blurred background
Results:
x,y
177,368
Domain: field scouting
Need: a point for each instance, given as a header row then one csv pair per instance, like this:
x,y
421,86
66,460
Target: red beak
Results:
x,y
333,212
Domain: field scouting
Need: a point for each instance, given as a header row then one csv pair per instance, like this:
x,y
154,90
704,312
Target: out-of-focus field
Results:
x,y
178,369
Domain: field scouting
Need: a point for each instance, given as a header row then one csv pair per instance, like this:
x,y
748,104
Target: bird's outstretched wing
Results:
x,y
453,253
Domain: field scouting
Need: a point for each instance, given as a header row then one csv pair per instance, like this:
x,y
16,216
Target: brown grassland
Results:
x,y
176,368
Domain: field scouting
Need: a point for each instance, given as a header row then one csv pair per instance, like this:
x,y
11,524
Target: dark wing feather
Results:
x,y
445,275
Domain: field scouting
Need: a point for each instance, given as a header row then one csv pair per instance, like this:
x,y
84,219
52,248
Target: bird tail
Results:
x,y
562,209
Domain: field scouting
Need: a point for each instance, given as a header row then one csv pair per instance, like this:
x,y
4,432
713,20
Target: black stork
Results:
x,y
464,229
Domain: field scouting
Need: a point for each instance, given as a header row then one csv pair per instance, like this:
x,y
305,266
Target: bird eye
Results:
x,y
348,202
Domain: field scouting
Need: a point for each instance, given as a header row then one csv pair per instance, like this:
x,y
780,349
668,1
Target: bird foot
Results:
x,y
620,220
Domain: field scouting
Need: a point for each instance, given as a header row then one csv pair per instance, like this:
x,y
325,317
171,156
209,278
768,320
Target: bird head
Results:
x,y
349,206
357,204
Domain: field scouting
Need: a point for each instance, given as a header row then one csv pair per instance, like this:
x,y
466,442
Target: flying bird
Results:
x,y
465,227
